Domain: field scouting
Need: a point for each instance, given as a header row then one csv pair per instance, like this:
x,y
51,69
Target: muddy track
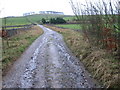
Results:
x,y
48,63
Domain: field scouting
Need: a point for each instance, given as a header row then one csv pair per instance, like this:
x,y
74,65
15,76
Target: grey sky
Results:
x,y
18,7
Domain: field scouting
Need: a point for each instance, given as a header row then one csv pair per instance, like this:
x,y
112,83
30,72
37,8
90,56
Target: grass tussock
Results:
x,y
98,62
14,46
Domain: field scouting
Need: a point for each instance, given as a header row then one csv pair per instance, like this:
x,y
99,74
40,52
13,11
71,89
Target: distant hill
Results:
x,y
32,19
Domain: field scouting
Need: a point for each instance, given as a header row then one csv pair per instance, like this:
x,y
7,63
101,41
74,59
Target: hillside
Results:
x,y
10,21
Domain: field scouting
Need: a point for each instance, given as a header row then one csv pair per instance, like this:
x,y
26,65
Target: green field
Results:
x,y
69,18
38,17
11,21
15,21
23,20
70,26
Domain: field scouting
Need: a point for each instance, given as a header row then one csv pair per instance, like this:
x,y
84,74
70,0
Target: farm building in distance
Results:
x,y
29,13
51,12
44,12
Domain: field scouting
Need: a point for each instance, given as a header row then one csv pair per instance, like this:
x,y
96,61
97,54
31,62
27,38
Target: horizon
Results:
x,y
36,13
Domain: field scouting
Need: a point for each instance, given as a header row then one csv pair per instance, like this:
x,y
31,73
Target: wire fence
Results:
x,y
8,31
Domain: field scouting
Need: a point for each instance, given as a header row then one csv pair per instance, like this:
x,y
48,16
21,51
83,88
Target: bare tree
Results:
x,y
104,22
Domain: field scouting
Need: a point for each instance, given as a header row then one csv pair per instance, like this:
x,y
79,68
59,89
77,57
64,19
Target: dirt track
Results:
x,y
48,63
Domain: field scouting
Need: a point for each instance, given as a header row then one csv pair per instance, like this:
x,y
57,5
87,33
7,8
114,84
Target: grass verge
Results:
x,y
98,62
17,45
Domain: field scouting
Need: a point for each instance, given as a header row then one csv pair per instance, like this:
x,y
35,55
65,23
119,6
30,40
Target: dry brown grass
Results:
x,y
17,45
99,63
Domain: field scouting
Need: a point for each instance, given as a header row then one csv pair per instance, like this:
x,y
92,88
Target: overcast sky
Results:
x,y
18,7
